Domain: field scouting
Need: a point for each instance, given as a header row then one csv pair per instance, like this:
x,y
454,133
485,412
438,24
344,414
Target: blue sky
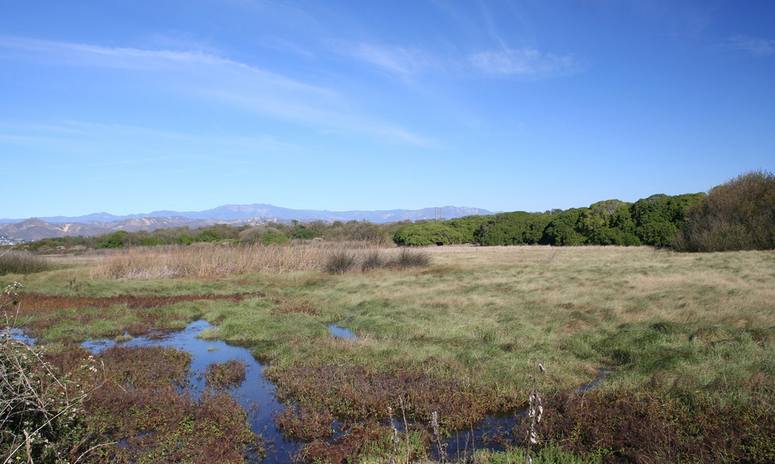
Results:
x,y
525,105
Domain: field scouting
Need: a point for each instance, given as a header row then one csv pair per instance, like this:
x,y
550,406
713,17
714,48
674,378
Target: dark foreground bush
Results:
x,y
372,260
409,258
738,215
340,262
637,427
41,414
21,262
344,261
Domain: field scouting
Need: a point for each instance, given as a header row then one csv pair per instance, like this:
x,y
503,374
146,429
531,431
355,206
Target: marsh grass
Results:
x,y
685,328
214,261
340,262
22,262
407,258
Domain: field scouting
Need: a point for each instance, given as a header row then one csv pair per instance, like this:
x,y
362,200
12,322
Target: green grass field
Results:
x,y
465,334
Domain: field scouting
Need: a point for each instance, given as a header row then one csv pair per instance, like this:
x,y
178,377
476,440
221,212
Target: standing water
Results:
x,y
255,394
341,332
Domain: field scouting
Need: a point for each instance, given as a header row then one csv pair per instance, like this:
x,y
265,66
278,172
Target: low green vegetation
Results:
x,y
264,234
445,336
737,215
655,221
689,338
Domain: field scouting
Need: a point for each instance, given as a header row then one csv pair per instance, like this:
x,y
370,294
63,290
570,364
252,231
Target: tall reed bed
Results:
x,y
22,262
217,261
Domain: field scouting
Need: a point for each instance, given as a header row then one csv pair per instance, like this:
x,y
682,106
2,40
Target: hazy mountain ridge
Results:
x,y
101,223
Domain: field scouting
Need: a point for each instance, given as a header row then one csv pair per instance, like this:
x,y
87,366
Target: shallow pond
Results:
x,y
255,394
341,332
258,396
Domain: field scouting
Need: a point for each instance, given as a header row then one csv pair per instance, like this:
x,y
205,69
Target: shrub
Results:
x,y
407,258
340,262
608,222
658,218
372,260
41,414
308,231
263,235
518,228
115,240
563,230
428,233
22,262
737,215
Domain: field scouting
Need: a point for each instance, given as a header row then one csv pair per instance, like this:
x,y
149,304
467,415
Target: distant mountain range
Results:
x,y
101,223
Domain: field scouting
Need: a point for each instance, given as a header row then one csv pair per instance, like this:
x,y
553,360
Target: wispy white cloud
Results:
x,y
207,75
522,62
395,60
86,136
406,63
755,46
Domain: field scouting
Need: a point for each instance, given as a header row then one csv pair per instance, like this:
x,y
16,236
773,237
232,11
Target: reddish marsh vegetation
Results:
x,y
359,394
224,375
143,412
646,428
116,315
39,302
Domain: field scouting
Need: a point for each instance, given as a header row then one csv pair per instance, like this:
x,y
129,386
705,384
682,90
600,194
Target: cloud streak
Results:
x,y
521,62
395,60
755,46
210,76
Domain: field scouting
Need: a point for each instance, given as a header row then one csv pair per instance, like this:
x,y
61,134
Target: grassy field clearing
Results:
x,y
463,336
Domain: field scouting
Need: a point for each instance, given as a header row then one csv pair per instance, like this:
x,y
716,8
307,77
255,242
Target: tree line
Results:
x,y
737,215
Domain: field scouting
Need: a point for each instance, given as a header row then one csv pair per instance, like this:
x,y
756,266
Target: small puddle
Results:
x,y
602,374
255,394
496,432
18,334
341,332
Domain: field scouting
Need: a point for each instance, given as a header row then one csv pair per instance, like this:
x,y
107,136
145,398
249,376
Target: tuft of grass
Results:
x,y
407,258
373,260
550,454
340,262
22,262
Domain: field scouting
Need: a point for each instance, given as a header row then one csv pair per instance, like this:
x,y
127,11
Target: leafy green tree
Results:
x,y
608,223
658,218
115,240
518,228
564,229
428,233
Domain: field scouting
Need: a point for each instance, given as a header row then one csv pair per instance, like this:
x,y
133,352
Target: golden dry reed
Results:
x,y
207,261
